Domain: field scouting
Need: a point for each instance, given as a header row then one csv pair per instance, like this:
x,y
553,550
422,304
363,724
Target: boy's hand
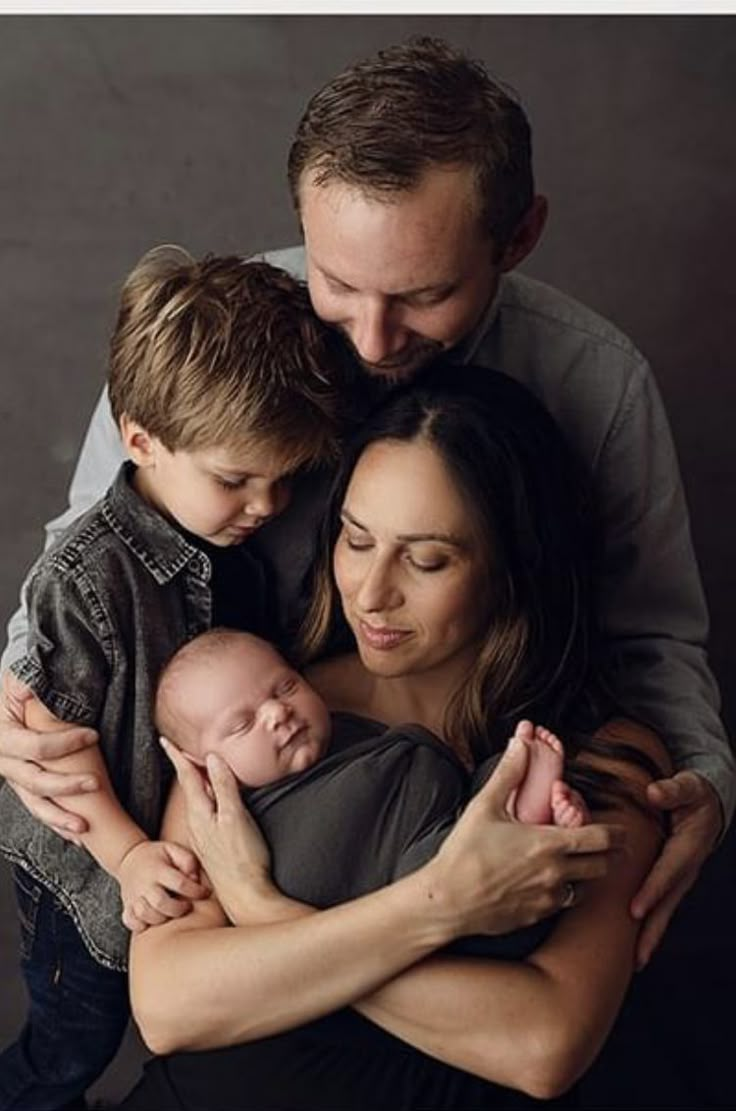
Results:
x,y
158,880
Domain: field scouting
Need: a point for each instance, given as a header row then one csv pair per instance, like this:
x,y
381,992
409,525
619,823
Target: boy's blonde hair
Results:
x,y
213,352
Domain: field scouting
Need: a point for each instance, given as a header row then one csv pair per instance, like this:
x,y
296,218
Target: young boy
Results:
x,y
368,804
221,383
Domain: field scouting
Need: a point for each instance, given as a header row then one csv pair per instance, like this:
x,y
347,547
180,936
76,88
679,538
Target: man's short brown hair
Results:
x,y
213,352
383,122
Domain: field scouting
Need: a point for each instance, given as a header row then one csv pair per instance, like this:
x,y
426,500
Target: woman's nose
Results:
x,y
378,589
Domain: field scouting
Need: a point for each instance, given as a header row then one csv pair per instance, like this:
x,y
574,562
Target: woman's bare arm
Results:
x,y
195,984
537,1024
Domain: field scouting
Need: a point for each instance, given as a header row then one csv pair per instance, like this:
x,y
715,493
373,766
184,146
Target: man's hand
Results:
x,y
21,751
158,880
696,821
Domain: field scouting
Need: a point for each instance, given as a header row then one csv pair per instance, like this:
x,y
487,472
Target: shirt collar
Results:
x,y
158,545
465,350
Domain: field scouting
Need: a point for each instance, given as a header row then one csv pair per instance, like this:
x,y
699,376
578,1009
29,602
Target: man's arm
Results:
x,y
22,750
98,462
654,617
156,879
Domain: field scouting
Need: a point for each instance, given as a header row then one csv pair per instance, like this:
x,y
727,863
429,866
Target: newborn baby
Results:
x,y
345,804
232,693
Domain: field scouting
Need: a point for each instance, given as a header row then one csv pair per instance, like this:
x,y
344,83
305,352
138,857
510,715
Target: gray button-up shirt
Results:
x,y
107,606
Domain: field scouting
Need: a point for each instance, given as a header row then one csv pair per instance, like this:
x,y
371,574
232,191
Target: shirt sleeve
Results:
x,y
69,655
97,465
651,602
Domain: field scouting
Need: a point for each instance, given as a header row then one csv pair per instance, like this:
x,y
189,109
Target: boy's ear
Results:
x,y
140,445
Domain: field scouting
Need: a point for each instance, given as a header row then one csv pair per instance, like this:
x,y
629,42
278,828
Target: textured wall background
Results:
x,y
119,132
122,131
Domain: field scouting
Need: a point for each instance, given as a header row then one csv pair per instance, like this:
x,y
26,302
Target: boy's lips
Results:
x,y
241,531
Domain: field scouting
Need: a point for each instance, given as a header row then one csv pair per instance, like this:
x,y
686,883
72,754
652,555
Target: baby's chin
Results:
x,y
307,753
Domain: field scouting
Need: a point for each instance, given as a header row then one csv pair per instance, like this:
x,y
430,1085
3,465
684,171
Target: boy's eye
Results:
x,y
231,483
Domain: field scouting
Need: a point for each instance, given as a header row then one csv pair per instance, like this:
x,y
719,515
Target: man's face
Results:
x,y
403,276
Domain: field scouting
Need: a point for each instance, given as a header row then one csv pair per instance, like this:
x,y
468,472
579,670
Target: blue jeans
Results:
x,y
78,1010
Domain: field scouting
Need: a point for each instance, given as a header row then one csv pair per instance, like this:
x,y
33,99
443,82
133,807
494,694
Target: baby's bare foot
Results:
x,y
533,801
568,806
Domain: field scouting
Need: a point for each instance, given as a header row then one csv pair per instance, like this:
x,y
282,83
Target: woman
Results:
x,y
460,557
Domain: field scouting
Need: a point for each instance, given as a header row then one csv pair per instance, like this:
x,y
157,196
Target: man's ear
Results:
x,y
140,445
527,234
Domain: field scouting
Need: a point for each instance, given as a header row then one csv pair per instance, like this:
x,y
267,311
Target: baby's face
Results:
x,y
259,715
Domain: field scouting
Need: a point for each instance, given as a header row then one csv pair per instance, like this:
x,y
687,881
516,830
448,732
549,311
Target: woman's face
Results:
x,y
410,568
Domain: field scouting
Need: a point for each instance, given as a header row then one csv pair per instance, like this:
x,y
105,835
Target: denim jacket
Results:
x,y
108,605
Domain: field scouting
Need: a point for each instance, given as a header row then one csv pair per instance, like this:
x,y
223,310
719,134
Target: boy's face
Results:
x,y
258,714
220,494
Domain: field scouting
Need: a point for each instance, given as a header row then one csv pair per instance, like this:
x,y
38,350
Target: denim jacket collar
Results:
x,y
162,550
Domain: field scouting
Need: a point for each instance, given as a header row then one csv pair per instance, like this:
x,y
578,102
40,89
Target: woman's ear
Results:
x,y
140,445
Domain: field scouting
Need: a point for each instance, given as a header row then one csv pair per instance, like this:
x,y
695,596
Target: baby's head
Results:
x,y
232,693
223,382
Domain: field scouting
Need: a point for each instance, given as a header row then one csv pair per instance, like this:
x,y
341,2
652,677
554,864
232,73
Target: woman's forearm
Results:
x,y
535,1024
197,985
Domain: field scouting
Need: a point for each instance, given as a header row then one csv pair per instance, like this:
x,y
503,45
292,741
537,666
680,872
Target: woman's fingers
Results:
x,y
190,779
506,778
224,785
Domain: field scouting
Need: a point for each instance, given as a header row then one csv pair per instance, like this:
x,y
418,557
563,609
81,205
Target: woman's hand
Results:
x,y
495,874
226,839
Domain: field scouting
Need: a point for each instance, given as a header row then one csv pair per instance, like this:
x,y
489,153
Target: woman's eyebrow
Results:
x,y
347,516
413,537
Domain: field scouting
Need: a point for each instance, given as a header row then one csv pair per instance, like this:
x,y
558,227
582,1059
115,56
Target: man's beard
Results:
x,y
394,372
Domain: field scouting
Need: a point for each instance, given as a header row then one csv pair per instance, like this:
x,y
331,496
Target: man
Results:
x,y
411,174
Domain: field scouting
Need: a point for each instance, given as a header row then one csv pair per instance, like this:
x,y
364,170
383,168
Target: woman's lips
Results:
x,y
382,637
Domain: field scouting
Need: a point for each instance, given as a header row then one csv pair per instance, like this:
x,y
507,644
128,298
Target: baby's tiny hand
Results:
x,y
158,880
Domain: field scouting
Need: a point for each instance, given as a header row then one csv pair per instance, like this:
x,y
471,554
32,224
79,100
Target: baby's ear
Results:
x,y
140,446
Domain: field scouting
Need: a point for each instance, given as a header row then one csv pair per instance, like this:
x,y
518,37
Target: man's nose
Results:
x,y
376,331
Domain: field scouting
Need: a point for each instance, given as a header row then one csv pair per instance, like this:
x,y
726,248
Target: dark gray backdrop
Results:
x,y
119,132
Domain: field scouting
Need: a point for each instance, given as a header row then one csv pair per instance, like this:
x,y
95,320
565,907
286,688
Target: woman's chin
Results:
x,y
388,663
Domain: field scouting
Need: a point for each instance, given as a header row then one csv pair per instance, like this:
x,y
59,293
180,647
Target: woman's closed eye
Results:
x,y
427,557
428,565
357,541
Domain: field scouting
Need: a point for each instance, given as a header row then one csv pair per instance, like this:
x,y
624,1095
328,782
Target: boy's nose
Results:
x,y
268,501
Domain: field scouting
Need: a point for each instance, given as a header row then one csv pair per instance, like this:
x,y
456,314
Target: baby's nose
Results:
x,y
275,712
